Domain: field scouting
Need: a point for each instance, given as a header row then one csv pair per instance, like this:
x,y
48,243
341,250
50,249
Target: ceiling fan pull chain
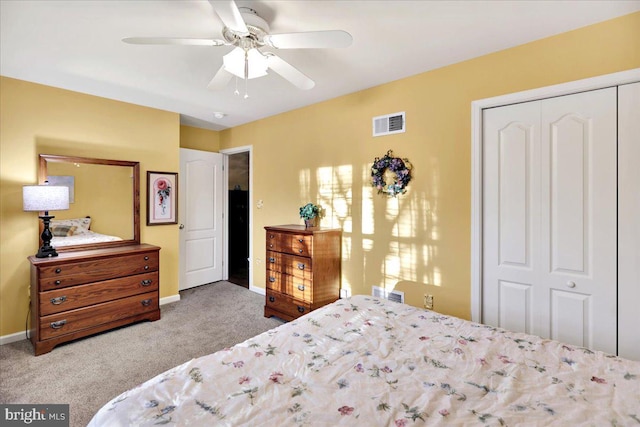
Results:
x,y
236,92
246,73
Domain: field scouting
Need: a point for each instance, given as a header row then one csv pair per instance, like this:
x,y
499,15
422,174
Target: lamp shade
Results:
x,y
234,63
45,198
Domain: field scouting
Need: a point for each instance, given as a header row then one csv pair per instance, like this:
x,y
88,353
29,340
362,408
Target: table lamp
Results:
x,y
45,198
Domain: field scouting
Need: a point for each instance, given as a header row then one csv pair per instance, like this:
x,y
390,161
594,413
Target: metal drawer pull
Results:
x,y
270,245
57,282
272,299
146,282
301,251
301,309
301,287
59,324
58,300
300,240
272,260
301,266
146,258
146,302
272,279
58,270
146,267
271,236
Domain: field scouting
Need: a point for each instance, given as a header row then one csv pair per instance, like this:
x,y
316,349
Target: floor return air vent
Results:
x,y
395,296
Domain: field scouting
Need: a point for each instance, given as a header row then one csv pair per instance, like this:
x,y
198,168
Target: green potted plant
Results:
x,y
310,213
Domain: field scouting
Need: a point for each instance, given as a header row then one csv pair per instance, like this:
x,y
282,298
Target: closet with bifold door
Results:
x,y
560,252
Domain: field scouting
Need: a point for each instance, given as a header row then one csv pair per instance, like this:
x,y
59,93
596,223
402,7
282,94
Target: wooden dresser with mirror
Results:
x,y
92,285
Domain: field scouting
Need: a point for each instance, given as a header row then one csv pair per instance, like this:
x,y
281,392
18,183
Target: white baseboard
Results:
x,y
167,300
7,339
257,290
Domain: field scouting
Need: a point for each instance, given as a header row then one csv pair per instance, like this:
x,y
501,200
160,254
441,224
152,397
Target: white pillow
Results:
x,y
82,224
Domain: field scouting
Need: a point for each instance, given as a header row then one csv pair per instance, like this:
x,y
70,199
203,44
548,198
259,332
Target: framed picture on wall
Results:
x,y
162,198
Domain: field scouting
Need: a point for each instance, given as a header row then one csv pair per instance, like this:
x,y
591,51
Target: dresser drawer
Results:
x,y
296,244
293,286
286,304
290,264
83,295
82,318
74,273
301,245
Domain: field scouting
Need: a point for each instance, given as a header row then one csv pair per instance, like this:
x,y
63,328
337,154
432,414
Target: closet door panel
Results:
x,y
629,220
579,219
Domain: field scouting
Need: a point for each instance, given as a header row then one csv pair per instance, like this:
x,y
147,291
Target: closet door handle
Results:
x,y
58,300
59,324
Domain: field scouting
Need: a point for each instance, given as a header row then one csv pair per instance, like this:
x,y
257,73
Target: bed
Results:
x,y
372,362
76,231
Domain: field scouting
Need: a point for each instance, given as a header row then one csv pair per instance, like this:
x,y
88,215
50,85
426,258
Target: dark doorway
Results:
x,y
239,218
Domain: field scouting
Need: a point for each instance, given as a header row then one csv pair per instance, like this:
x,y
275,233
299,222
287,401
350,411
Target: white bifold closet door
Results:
x,y
550,218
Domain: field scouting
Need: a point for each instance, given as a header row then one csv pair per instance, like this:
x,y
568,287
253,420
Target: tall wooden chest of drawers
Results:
x,y
81,293
303,269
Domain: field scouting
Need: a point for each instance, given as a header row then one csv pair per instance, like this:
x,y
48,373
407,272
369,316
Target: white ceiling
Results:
x,y
77,45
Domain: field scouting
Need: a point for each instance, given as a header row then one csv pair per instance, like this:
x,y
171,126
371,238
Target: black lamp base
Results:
x,y
46,250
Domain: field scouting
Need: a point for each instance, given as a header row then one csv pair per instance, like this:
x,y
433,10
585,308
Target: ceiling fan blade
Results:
x,y
220,80
230,16
174,41
289,72
310,39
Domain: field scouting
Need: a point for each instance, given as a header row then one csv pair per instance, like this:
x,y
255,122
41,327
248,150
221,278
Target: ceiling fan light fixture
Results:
x,y
234,62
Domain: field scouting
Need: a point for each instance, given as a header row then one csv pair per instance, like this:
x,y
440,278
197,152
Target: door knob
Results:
x,y
181,226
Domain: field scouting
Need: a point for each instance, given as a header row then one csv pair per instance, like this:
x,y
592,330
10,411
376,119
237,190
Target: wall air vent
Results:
x,y
389,124
395,296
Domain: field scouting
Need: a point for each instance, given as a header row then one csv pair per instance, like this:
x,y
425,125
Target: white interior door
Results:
x,y
549,218
201,217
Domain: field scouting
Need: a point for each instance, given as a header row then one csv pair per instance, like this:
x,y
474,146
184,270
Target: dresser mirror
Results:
x,y
104,195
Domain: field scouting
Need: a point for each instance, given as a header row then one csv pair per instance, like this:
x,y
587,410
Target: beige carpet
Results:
x,y
89,372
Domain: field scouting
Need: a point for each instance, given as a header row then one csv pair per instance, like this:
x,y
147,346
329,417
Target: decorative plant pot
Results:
x,y
310,222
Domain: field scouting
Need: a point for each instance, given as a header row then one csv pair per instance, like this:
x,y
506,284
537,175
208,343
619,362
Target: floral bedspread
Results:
x,y
368,362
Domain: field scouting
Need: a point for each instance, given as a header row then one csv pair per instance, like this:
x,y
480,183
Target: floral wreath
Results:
x,y
402,169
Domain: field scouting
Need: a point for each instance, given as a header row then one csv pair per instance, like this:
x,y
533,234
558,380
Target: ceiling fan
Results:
x,y
249,33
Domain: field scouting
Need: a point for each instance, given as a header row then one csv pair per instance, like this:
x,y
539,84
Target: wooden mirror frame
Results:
x,y
42,177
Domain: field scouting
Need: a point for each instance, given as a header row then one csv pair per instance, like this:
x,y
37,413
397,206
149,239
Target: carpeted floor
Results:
x,y
87,373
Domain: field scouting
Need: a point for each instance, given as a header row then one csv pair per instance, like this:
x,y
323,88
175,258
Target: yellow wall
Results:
x,y
40,119
419,242
199,139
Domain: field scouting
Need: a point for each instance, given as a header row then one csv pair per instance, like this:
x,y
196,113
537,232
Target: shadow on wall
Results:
x,y
396,237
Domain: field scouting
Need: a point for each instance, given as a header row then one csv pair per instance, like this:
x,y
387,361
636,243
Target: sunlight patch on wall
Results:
x,y
367,223
335,194
305,184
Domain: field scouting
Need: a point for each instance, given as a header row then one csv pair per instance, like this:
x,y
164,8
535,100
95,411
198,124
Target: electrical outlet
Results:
x,y
428,302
